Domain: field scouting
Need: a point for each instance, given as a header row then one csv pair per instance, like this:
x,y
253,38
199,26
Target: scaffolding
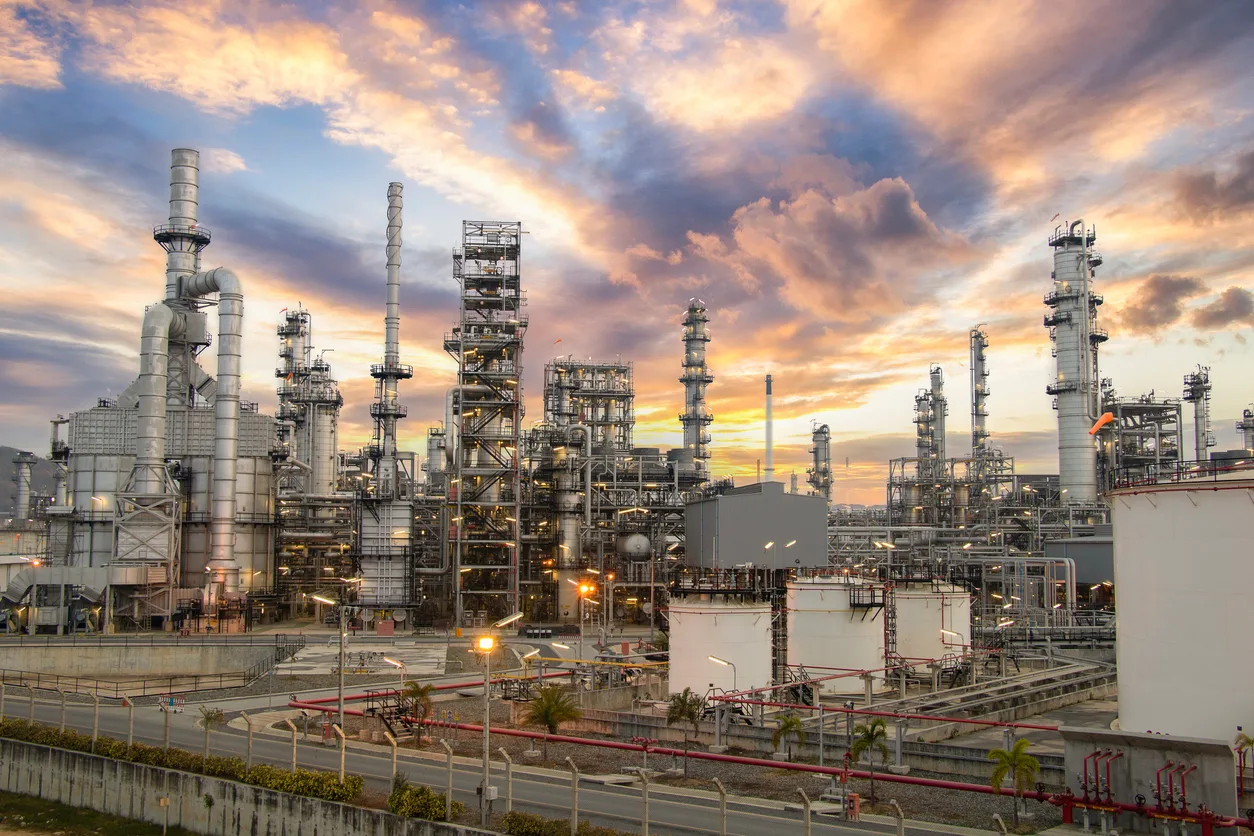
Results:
x,y
484,490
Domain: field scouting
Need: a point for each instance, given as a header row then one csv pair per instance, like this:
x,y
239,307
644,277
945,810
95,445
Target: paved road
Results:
x,y
671,811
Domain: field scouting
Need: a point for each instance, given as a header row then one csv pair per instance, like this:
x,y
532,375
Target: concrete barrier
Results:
x,y
104,661
134,791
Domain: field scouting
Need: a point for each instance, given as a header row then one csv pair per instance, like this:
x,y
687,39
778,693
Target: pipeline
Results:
x,y
894,714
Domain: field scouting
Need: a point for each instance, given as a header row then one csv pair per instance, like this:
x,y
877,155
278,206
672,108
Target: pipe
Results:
x,y
1171,785
894,714
770,435
1158,783
1109,761
150,428
223,568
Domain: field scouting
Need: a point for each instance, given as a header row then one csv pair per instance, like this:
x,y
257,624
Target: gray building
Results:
x,y
1094,556
735,527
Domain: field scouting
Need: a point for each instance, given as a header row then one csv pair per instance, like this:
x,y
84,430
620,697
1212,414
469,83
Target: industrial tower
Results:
x,y
1246,427
819,475
696,417
1073,329
979,393
1197,392
482,435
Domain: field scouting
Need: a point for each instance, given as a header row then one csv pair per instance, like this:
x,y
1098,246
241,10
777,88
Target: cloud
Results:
x,y
1157,302
221,161
1236,304
1205,196
28,57
849,259
582,90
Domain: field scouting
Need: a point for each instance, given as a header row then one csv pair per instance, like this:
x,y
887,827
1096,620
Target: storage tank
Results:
x,y
1183,577
737,632
835,623
933,622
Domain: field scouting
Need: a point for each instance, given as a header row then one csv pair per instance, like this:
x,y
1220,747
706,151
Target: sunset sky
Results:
x,y
850,187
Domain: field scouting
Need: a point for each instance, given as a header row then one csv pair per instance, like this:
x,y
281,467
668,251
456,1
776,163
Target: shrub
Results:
x,y
528,824
418,802
311,784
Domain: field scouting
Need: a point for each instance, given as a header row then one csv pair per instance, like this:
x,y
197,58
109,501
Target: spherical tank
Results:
x,y
826,629
932,622
1182,635
736,632
633,546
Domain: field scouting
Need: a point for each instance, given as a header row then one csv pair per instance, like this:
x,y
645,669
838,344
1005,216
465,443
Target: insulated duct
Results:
x,y
150,428
223,568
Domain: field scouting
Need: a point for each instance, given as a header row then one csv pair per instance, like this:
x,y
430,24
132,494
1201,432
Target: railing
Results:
x,y
284,648
281,641
1167,473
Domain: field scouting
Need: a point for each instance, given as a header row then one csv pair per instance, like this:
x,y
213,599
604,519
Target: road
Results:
x,y
536,791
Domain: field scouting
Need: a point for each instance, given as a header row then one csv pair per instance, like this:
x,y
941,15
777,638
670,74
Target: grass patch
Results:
x,y
30,813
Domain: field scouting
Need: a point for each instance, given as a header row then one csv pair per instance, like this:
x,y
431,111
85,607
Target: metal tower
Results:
x,y
819,475
979,393
386,410
483,433
1246,427
1197,392
696,417
1072,325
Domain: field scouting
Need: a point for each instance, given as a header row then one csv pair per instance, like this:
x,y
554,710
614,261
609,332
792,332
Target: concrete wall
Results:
x,y
96,661
134,791
1213,783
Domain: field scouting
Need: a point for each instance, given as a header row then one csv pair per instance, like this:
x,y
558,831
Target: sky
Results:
x,y
849,186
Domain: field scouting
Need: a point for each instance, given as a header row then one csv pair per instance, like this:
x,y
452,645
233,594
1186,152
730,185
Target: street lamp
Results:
x,y
770,544
728,664
485,645
400,665
342,629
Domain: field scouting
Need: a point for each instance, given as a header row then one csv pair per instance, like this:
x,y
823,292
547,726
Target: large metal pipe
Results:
x,y
223,568
150,428
770,434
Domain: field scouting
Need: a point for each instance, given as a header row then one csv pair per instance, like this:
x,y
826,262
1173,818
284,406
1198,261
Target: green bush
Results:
x,y
311,784
418,802
528,824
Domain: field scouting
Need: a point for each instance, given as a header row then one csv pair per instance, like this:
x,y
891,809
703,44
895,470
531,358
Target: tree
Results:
x,y
685,708
416,701
1016,763
552,706
869,738
790,726
211,718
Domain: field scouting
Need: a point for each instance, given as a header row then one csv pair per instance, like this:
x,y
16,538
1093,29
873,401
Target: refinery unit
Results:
x,y
178,505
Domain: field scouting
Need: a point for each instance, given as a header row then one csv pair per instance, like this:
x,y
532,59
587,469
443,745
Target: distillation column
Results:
x,y
940,408
696,417
819,476
1197,392
979,393
1073,328
24,468
1246,427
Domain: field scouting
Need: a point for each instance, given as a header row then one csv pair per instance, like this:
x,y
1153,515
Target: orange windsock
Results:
x,y
1106,418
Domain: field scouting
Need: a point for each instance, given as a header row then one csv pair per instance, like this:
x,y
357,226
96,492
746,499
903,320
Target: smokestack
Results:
x,y
386,410
770,435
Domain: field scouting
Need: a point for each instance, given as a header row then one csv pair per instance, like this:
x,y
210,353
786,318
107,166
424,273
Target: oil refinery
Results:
x,y
976,591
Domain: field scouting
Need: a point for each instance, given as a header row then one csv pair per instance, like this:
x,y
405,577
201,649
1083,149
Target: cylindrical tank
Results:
x,y
932,622
1182,634
739,633
828,629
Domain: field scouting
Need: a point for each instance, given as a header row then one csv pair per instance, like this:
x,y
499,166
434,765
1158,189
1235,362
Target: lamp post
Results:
x,y
485,645
342,629
728,664
769,545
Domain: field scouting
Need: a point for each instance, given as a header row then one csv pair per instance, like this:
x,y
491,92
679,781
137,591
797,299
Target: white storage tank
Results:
x,y
933,622
738,632
1183,577
835,623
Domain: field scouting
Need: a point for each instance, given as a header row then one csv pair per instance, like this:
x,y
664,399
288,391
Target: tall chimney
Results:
x,y
770,435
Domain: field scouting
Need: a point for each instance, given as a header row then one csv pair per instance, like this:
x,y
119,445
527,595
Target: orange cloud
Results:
x,y
26,58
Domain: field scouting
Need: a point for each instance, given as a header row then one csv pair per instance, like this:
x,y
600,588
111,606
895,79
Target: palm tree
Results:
x,y
416,701
1019,765
685,708
790,726
869,738
551,707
